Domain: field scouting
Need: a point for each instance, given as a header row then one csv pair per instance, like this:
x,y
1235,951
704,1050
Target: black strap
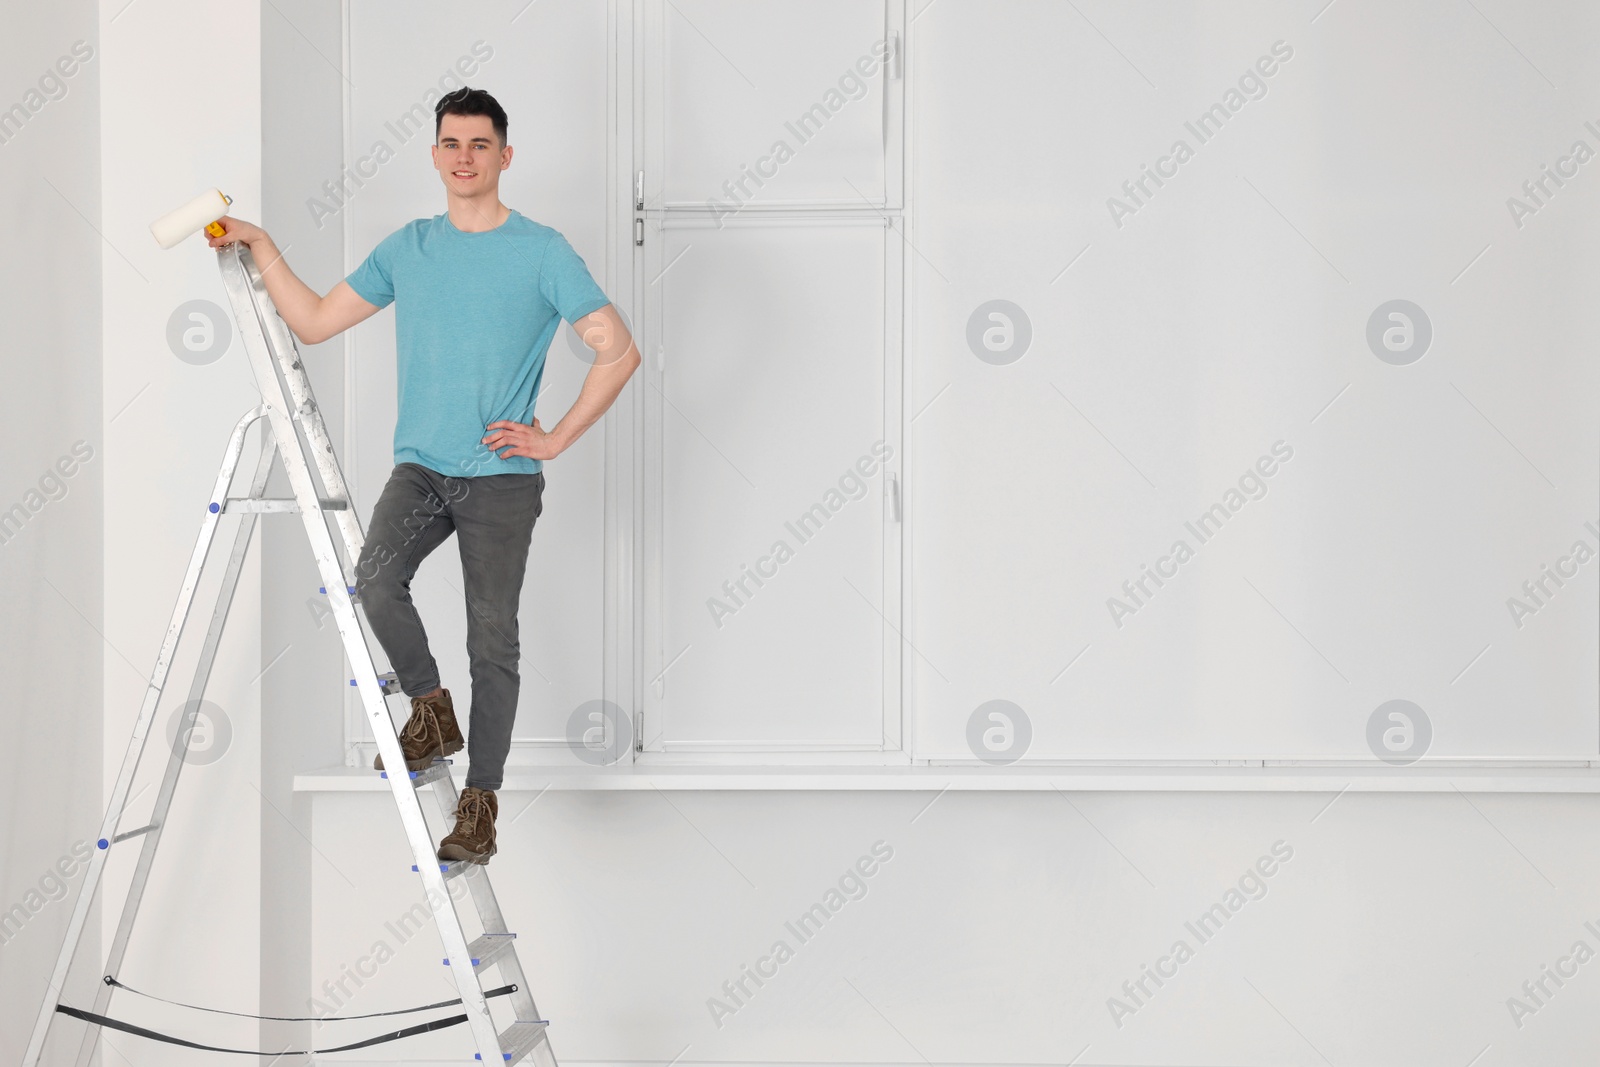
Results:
x,y
139,1031
410,1031
115,984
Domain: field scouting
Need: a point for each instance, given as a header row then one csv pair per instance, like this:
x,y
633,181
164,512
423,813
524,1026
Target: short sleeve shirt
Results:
x,y
474,317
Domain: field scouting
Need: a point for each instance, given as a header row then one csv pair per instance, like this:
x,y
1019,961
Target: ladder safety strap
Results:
x,y
505,990
139,1031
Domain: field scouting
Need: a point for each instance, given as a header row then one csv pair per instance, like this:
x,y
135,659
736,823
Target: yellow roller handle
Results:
x,y
215,228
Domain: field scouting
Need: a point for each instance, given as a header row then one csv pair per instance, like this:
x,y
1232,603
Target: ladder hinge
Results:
x,y
891,62
638,231
638,191
894,494
638,733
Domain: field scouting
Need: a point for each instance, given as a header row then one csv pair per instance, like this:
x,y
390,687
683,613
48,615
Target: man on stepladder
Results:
x,y
479,292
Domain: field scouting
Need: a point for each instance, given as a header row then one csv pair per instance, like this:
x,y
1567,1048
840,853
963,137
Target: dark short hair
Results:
x,y
470,101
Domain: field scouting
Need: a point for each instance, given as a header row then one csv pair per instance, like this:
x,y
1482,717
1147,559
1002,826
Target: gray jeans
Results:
x,y
492,516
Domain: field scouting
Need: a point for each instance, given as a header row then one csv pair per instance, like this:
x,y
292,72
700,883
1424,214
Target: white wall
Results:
x,y
1227,315
301,137
1004,922
180,96
51,568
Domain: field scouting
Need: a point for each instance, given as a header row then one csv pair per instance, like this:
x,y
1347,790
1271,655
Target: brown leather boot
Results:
x,y
431,733
473,838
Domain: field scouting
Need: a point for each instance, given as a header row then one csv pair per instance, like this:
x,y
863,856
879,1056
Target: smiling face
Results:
x,y
469,156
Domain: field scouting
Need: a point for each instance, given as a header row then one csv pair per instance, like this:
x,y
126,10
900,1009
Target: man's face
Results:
x,y
469,156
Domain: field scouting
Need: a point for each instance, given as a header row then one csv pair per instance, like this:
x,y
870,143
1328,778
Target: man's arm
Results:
x,y
616,356
313,318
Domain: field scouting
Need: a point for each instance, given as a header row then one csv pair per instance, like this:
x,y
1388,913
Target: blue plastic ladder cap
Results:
x,y
352,681
322,589
352,589
215,508
103,843
385,774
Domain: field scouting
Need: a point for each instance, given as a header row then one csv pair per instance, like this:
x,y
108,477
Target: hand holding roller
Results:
x,y
200,213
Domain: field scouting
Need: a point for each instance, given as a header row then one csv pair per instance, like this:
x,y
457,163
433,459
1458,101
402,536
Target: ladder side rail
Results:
x,y
510,964
250,313
141,728
178,754
307,411
489,913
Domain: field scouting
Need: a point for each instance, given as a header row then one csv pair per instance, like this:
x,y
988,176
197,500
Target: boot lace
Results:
x,y
469,809
424,724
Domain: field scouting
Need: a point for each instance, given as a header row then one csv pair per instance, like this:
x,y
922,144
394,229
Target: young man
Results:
x,y
479,292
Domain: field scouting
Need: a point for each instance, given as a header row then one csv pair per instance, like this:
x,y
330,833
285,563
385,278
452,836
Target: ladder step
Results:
x,y
519,1039
452,869
439,768
134,833
485,950
263,504
386,681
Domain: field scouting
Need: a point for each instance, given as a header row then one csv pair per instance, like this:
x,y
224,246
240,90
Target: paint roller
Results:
x,y
200,213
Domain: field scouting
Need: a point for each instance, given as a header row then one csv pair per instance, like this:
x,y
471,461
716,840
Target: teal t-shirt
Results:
x,y
474,316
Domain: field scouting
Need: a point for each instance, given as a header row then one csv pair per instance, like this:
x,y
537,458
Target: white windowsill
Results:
x,y
1418,778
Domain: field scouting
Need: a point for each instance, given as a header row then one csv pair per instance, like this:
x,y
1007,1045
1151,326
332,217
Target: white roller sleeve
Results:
x,y
203,210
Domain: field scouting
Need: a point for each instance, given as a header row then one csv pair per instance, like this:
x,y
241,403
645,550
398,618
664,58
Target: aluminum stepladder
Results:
x,y
286,403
